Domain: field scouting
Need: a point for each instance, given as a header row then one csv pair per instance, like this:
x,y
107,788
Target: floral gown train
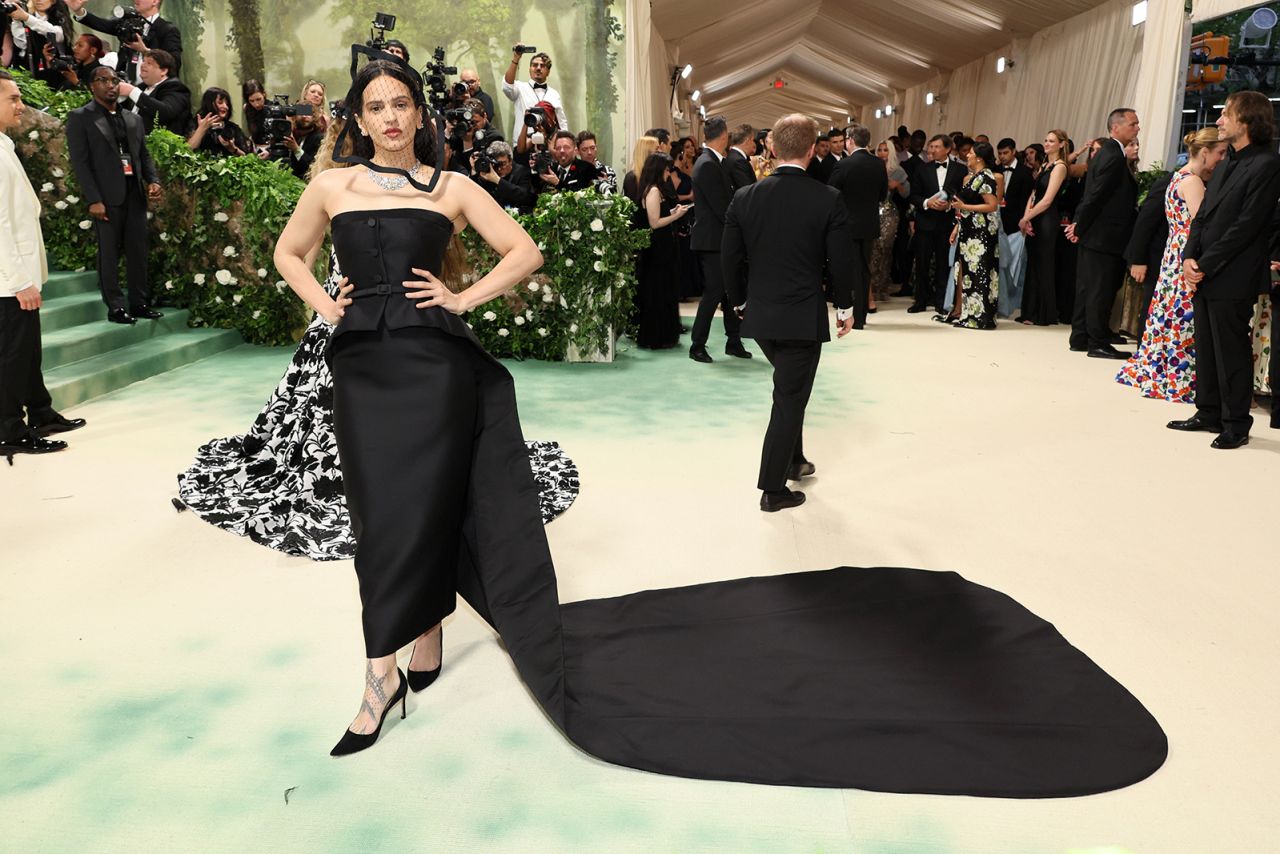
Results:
x,y
280,484
1165,365
977,259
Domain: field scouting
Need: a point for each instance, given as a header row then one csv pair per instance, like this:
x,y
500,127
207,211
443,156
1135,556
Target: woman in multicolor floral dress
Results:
x,y
1165,365
977,235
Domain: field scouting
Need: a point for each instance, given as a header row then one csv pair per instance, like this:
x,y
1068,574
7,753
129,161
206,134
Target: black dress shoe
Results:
x,y
1275,421
1106,351
1076,348
735,348
58,424
800,470
1227,441
699,353
1117,338
29,443
1193,424
871,311
146,312
772,502
916,309
119,315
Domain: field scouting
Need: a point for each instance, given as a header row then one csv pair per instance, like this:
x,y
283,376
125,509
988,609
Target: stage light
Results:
x,y
684,75
928,99
888,109
1193,111
697,93
879,113
1003,63
702,111
1139,13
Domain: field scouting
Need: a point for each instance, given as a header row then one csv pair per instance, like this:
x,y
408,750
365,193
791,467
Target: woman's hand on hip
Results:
x,y
431,291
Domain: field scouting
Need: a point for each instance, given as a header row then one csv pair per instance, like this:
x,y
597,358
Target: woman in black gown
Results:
x,y
1042,224
885,679
658,289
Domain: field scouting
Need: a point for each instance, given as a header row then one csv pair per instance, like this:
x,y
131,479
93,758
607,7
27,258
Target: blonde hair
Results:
x,y
793,135
1062,148
645,146
1198,140
321,120
324,154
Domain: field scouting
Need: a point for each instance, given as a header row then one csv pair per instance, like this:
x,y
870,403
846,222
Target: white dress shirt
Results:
x,y
37,23
22,259
526,98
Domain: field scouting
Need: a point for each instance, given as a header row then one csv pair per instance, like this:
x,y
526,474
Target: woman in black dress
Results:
x,y
1041,224
216,134
658,289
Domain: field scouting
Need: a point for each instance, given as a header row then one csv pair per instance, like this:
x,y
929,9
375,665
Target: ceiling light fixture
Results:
x,y
684,74
1002,63
929,98
1139,15
879,113
888,109
697,93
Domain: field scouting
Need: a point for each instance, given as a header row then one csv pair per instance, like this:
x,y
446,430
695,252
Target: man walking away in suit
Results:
x,y
863,185
108,150
22,274
778,237
1103,224
166,101
1227,262
712,192
933,186
742,147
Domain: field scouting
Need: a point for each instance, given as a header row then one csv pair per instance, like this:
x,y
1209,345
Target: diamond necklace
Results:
x,y
393,182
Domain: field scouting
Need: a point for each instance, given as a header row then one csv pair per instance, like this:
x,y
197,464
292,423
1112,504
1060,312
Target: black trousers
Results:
x,y
932,249
21,383
1275,359
901,269
862,249
713,296
1224,362
126,226
1099,276
795,364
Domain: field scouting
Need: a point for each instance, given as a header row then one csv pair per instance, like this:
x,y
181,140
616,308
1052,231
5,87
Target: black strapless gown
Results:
x,y
885,679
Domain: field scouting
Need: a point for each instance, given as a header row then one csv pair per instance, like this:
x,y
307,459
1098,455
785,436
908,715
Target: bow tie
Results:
x,y
542,86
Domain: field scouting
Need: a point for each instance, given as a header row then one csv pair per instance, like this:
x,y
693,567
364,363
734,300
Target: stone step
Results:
x,y
88,378
87,340
71,310
63,283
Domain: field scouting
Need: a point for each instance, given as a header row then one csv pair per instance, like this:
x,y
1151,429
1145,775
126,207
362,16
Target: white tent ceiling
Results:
x,y
836,55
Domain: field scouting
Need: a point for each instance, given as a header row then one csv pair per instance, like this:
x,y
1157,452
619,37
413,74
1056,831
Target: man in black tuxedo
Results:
x,y
933,186
108,152
822,164
1018,185
835,144
1103,224
568,172
712,192
1227,262
157,33
508,182
742,147
163,100
863,185
779,236
1145,249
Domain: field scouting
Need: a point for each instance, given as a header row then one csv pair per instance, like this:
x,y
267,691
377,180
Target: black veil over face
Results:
x,y
428,141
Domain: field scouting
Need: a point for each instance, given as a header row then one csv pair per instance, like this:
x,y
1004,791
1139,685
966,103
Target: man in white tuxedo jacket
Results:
x,y
23,272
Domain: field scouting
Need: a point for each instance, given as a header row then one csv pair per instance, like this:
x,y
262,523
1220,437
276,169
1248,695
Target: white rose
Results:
x,y
489,315
568,262
35,134
85,225
257,314
229,252
573,328
542,246
237,298
597,224
542,331
598,267
168,286
199,278
46,187
281,285
575,235
73,200
57,173
164,235
223,277
262,272
62,206
564,303
534,286
218,300
150,215
598,251
220,217
503,333
519,320
548,298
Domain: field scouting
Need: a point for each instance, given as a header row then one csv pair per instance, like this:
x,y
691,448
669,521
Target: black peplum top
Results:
x,y
377,251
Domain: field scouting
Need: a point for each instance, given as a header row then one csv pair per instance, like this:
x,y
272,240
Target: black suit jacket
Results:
x,y
863,184
924,185
1106,212
1150,229
785,230
740,172
712,193
91,144
168,106
1231,233
821,169
513,191
578,175
1018,185
162,34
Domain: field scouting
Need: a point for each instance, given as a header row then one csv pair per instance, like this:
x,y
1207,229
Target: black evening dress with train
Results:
x,y
280,485
658,283
1040,293
886,679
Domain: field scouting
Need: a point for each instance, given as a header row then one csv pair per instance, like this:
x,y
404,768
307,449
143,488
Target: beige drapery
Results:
x,y
647,72
1203,10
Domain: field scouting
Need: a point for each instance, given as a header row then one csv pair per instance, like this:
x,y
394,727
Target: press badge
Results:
x,y
127,165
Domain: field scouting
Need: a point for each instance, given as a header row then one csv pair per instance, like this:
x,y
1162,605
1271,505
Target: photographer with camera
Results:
x,y
86,54
216,134
508,182
567,172
162,100
606,178
470,79
303,142
469,135
108,150
528,95
255,117
140,31
396,48
33,27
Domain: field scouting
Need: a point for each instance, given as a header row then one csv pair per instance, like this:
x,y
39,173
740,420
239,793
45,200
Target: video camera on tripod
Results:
x,y
277,123
382,24
440,94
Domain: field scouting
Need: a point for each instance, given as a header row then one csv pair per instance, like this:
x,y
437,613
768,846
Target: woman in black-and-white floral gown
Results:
x,y
280,484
